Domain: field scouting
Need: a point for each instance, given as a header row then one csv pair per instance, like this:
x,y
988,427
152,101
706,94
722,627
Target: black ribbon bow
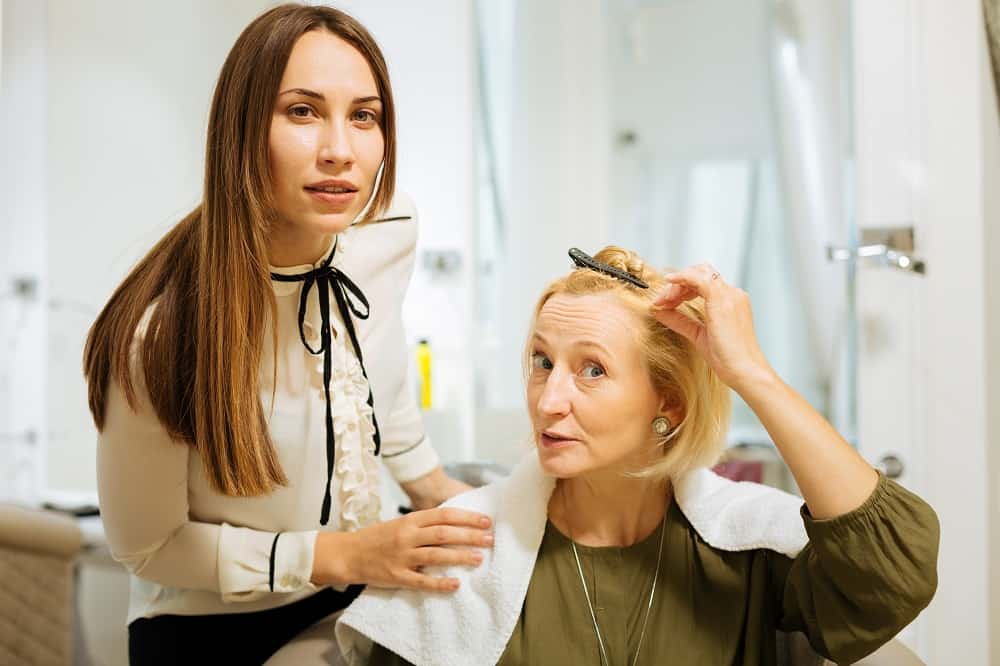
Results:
x,y
343,289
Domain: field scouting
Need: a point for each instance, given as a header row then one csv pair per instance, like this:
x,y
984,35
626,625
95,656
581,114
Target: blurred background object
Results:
x,y
38,551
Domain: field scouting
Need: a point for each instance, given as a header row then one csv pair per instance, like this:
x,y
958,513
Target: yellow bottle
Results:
x,y
424,368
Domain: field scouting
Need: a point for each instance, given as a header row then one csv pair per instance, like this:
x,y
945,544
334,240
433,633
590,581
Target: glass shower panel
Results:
x,y
734,148
721,132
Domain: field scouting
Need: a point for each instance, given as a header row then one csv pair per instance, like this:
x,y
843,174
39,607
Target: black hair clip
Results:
x,y
584,260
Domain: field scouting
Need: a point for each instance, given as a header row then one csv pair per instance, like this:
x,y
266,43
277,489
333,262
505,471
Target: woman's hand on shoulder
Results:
x,y
393,554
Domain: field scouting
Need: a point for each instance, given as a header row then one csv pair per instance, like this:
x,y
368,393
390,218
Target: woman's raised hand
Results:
x,y
726,339
392,554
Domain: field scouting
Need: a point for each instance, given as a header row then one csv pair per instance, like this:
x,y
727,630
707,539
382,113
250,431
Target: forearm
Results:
x,y
187,559
833,477
428,490
240,564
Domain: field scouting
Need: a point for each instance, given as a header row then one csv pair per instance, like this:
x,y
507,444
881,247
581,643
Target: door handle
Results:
x,y
891,466
888,246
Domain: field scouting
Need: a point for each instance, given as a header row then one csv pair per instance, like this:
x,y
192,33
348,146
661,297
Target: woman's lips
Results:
x,y
556,442
337,199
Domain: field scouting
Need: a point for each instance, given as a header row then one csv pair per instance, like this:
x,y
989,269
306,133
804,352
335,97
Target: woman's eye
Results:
x,y
540,362
365,115
294,111
593,371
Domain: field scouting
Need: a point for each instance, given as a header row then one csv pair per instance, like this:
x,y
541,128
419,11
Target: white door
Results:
x,y
919,131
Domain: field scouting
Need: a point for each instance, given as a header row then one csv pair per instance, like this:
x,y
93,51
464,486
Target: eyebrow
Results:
x,y
581,343
322,97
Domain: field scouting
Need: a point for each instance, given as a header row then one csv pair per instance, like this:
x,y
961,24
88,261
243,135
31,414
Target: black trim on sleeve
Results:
x,y
406,450
270,575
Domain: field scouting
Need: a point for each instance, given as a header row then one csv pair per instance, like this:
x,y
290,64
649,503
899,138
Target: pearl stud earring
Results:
x,y
662,425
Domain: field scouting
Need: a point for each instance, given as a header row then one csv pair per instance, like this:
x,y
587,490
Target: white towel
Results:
x,y
741,515
473,624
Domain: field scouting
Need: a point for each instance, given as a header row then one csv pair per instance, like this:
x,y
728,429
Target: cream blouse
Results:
x,y
192,550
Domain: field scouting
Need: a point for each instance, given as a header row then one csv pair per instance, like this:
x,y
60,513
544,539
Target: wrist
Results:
x,y
426,491
754,379
333,559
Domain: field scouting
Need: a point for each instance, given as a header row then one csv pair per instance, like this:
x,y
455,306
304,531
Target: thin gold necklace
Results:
x,y
586,592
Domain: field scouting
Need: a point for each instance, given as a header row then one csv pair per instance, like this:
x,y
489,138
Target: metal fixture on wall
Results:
x,y
441,263
886,246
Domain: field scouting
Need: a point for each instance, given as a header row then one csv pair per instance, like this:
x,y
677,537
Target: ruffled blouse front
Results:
x,y
355,469
356,480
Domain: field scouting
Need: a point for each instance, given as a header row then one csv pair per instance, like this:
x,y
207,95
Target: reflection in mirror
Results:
x,y
713,131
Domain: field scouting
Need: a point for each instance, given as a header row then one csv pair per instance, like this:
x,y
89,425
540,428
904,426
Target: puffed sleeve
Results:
x,y
863,576
142,478
406,449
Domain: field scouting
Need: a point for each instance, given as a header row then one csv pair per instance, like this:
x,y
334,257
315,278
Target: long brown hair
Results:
x,y
201,348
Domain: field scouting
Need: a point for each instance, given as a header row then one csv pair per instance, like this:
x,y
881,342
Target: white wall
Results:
x,y
991,250
127,111
557,171
129,87
693,76
701,112
960,170
23,190
928,156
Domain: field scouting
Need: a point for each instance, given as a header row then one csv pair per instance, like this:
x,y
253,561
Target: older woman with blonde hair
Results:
x,y
614,542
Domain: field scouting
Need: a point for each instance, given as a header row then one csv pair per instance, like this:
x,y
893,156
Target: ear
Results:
x,y
673,410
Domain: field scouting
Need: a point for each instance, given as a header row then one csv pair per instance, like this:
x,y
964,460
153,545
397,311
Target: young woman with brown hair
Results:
x,y
246,373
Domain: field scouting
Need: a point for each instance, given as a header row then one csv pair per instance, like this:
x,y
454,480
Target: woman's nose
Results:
x,y
336,145
554,400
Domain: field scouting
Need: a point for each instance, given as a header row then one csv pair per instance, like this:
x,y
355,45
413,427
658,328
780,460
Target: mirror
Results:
x,y
713,131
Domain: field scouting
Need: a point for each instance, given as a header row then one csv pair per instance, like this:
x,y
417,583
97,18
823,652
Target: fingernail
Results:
x,y
488,539
484,521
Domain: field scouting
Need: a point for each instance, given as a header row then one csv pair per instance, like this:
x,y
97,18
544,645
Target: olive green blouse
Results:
x,y
862,577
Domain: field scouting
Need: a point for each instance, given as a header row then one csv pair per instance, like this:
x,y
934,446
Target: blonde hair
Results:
x,y
678,371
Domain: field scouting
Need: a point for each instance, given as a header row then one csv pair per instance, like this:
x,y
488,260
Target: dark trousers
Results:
x,y
233,638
